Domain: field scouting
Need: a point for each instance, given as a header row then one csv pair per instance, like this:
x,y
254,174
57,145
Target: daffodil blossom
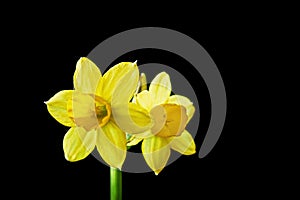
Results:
x,y
170,115
94,109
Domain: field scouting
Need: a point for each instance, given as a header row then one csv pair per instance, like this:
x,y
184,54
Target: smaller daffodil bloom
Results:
x,y
91,110
170,115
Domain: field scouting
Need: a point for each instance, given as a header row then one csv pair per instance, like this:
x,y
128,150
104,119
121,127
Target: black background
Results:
x,y
51,48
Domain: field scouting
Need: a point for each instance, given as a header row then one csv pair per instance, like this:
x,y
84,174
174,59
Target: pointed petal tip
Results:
x,y
190,153
134,64
156,172
67,157
164,73
81,60
72,158
47,102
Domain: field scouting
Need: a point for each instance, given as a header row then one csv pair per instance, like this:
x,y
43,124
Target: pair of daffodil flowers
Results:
x,y
108,113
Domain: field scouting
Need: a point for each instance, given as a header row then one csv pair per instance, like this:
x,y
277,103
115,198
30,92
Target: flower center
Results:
x,y
103,110
169,120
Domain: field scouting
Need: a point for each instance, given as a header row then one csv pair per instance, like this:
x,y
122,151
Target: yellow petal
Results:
x,y
111,145
156,152
183,101
184,143
144,99
160,88
143,81
78,143
82,109
125,87
57,107
87,76
133,141
114,84
131,118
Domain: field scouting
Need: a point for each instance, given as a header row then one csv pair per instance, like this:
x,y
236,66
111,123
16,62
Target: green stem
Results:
x,y
115,184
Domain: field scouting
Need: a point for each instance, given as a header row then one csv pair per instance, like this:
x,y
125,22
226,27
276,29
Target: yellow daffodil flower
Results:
x,y
95,109
170,115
